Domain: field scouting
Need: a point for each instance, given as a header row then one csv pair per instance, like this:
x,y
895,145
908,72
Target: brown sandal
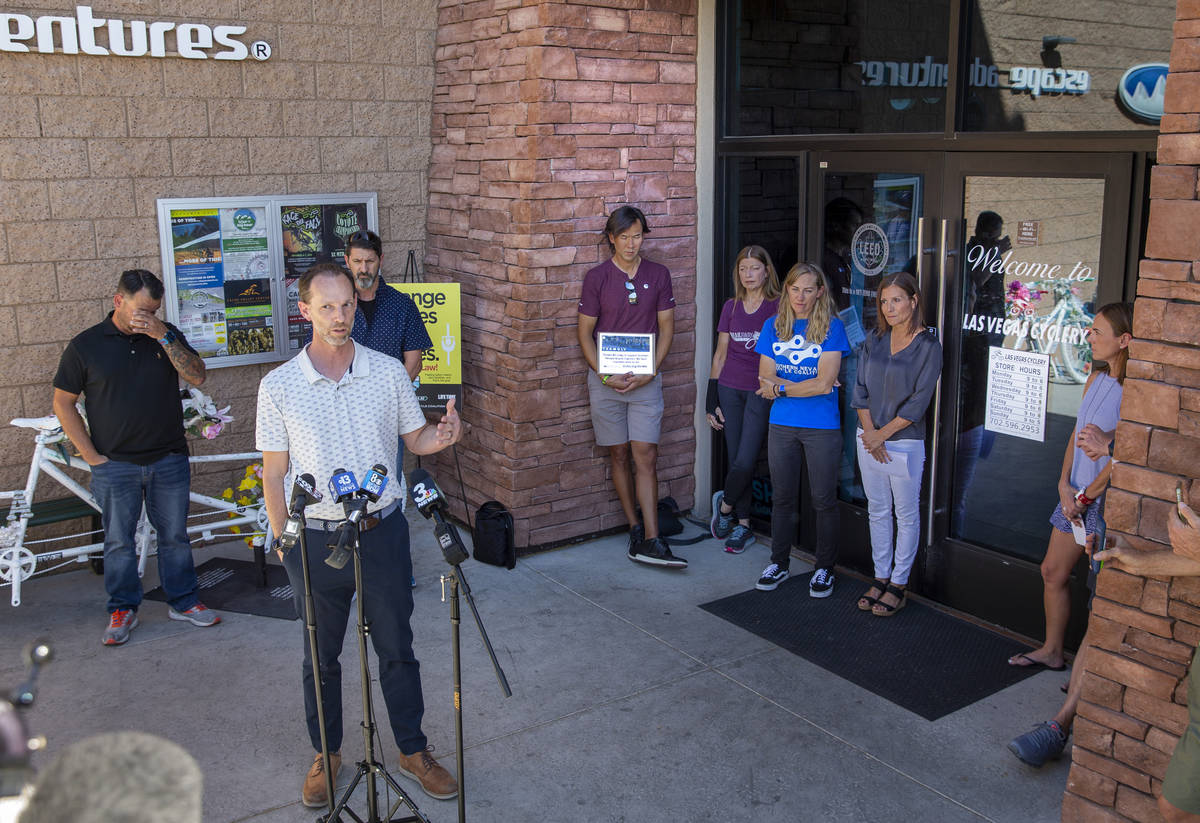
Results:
x,y
866,602
881,609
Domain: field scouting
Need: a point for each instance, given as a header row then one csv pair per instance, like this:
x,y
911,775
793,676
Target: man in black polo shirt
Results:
x,y
128,369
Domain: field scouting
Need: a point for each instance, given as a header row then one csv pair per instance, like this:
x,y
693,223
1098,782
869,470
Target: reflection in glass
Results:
x,y
870,231
1044,67
1029,279
838,67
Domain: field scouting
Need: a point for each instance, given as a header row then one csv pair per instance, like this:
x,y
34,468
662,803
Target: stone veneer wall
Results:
x,y
547,115
88,143
1135,690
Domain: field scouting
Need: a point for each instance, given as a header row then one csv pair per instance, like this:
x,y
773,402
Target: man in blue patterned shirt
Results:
x,y
386,320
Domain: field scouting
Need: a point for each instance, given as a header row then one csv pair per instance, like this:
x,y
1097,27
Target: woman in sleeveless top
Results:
x,y
1085,472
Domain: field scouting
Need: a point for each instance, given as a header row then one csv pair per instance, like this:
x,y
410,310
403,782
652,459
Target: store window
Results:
x,y
841,67
1029,285
1034,68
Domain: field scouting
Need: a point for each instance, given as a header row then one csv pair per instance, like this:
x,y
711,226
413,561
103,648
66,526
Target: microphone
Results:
x,y
374,482
129,776
342,485
304,494
431,503
346,491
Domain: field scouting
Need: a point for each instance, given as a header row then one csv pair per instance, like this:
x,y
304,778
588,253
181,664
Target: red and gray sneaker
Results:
x,y
120,623
739,539
198,615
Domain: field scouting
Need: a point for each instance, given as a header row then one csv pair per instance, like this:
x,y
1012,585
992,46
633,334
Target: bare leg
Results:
x,y
1066,715
645,460
623,480
1061,555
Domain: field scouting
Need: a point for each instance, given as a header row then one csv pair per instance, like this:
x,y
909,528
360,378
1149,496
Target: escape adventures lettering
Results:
x,y
931,73
123,38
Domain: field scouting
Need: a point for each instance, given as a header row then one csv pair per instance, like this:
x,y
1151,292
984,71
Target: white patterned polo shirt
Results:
x,y
325,425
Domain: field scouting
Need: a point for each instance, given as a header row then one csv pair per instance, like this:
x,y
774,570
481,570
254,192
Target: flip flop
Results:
x,y
1030,663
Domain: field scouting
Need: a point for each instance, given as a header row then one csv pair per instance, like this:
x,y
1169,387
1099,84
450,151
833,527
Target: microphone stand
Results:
x,y
447,532
368,767
310,626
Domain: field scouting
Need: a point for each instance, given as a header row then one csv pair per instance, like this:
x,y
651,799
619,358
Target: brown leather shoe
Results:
x,y
434,779
313,794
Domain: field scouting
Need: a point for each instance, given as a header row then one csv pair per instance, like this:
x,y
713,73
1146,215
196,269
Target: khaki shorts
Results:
x,y
1181,785
620,418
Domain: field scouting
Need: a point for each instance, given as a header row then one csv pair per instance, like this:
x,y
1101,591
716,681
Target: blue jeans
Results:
x,y
120,489
388,605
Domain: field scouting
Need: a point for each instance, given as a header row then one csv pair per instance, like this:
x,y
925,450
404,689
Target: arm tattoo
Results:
x,y
189,365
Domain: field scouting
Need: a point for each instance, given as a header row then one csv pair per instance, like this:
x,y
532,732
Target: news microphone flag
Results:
x,y
342,485
374,482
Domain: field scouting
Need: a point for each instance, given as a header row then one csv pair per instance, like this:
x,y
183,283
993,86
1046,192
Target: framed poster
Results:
x,y
230,267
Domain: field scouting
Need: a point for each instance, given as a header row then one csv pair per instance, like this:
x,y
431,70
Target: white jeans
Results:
x,y
883,490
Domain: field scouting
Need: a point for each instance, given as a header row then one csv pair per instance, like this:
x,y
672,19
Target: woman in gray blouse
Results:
x,y
897,374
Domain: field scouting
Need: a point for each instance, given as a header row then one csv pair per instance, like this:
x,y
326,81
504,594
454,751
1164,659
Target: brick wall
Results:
x,y
1134,694
88,143
546,116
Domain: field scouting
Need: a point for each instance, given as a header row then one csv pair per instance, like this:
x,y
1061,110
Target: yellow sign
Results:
x,y
440,305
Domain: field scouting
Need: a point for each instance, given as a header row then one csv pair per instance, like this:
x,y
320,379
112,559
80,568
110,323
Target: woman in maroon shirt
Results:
x,y
732,404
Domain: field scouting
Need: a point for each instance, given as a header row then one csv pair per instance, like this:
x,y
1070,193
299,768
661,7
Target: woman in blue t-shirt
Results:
x,y
732,403
801,349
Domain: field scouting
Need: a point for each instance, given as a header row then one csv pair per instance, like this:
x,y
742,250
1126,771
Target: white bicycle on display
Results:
x,y
22,559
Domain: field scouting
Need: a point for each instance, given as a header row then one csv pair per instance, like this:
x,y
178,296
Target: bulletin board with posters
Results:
x,y
231,265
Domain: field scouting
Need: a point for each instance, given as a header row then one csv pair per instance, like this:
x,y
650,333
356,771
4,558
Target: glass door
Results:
x,y
1014,253
870,217
1033,246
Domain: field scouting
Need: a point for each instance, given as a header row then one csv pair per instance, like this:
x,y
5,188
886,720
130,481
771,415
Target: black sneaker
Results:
x,y
821,583
772,576
636,535
656,552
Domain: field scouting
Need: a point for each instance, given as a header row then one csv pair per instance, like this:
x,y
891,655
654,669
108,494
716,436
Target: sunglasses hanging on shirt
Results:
x,y
632,293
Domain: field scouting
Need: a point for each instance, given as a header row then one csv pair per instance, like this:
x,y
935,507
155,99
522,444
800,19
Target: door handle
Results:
x,y
944,253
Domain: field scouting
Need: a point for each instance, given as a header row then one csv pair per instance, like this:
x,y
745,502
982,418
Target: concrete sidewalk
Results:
x,y
629,702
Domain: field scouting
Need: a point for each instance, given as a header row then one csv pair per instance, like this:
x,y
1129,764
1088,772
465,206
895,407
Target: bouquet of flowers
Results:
x,y
247,494
201,417
1020,298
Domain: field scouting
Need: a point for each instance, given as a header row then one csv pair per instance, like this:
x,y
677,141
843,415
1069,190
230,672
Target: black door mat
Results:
x,y
921,659
228,585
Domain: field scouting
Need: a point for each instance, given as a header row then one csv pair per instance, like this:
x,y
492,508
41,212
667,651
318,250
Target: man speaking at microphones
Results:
x,y
336,404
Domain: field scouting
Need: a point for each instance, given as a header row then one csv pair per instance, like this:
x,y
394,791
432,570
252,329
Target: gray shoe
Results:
x,y
720,524
739,539
1045,742
198,615
120,623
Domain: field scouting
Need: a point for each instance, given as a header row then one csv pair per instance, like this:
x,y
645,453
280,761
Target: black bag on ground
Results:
x,y
669,524
493,535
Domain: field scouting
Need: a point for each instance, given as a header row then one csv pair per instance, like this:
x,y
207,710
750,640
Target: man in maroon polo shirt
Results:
x,y
632,295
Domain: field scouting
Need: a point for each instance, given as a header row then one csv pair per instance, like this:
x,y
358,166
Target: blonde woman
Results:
x,y
732,403
801,349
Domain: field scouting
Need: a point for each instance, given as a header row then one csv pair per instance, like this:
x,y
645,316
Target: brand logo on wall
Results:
x,y
1142,90
869,249
87,34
